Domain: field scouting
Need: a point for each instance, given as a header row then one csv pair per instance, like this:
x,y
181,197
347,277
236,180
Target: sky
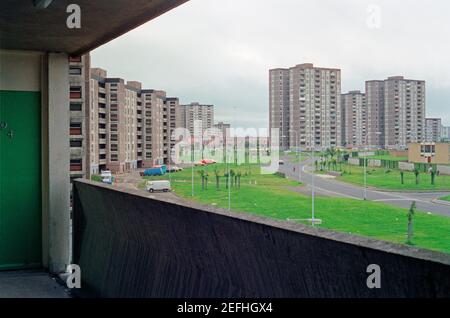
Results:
x,y
220,51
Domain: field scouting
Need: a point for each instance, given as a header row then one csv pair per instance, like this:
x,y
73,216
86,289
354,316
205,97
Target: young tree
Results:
x,y
402,177
232,174
217,174
417,173
433,177
202,175
410,222
239,175
227,178
206,180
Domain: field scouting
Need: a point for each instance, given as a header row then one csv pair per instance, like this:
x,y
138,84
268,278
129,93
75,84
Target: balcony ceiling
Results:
x,y
24,27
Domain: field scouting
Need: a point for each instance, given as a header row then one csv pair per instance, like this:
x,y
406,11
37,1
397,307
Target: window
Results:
x,y
76,165
75,70
76,59
114,157
75,129
75,92
75,107
76,143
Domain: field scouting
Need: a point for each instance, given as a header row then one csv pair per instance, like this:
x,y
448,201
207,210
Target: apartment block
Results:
x,y
396,112
375,103
404,112
433,129
172,118
314,97
97,123
279,97
445,133
223,129
154,129
79,99
315,110
193,112
354,119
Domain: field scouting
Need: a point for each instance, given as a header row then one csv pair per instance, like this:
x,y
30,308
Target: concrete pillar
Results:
x,y
58,160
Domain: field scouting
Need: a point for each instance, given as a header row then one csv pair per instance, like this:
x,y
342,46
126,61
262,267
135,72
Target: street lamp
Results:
x,y
365,163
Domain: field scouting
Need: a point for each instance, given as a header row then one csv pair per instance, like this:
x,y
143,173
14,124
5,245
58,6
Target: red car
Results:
x,y
205,162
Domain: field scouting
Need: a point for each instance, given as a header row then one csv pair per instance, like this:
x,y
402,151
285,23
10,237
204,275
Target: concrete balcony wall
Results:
x,y
130,245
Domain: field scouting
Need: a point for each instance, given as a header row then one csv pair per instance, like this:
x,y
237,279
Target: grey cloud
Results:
x,y
219,52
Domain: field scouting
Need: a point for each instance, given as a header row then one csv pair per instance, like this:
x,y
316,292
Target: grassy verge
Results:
x,y
271,196
391,179
96,178
447,198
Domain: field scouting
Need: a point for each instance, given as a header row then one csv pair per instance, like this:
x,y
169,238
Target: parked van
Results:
x,y
155,171
163,185
107,177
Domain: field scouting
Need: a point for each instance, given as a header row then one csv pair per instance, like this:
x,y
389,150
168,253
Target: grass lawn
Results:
x,y
447,198
377,177
270,196
388,157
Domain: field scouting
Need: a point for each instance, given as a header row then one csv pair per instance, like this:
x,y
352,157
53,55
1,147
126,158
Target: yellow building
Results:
x,y
429,152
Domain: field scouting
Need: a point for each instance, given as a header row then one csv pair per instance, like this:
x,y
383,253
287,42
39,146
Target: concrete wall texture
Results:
x,y
445,170
405,166
129,245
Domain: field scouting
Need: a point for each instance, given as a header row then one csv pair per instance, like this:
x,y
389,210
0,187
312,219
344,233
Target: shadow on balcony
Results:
x,y
130,245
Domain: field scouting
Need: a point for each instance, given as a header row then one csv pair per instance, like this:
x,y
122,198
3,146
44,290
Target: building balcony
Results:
x,y
123,235
75,132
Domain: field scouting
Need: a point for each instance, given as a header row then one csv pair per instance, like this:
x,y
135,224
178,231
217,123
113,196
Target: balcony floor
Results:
x,y
30,284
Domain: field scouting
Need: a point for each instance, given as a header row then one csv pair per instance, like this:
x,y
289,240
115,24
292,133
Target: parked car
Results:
x,y
174,169
163,185
205,162
281,162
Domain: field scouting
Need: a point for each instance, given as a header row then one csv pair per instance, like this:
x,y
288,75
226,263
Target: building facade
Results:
x,y
433,129
404,112
354,119
193,112
445,133
79,101
279,97
396,112
129,127
429,152
375,103
313,119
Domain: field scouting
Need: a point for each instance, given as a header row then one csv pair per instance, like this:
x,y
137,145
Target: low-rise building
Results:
x,y
429,152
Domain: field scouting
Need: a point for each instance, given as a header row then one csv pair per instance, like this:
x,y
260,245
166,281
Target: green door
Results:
x,y
20,180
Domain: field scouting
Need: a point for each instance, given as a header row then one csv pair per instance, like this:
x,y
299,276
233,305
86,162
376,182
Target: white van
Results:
x,y
162,185
107,177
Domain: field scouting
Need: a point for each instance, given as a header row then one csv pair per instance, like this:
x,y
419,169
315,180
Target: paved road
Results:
x,y
329,187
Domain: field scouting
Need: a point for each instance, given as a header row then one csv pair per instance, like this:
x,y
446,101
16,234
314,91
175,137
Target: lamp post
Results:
x,y
298,152
365,163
